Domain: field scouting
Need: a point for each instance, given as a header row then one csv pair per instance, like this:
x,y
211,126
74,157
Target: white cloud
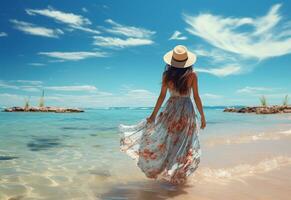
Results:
x,y
73,56
74,21
24,85
105,99
177,35
96,98
36,86
266,23
216,55
139,93
224,32
274,95
280,96
9,95
130,97
211,99
67,18
7,86
8,99
120,43
242,42
30,82
86,29
211,96
128,31
32,29
84,9
221,72
30,88
56,61
253,90
36,64
87,88
130,36
3,34
222,63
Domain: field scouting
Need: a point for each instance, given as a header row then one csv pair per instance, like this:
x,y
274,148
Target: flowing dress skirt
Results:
x,y
168,149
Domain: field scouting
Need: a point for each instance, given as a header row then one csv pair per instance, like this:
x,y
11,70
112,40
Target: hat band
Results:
x,y
179,60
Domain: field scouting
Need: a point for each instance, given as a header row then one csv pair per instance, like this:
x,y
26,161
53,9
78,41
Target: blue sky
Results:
x,y
109,53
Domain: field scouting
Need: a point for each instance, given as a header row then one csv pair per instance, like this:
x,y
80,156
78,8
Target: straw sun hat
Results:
x,y
180,57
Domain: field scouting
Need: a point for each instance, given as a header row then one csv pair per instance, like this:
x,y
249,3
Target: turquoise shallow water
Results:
x,y
69,155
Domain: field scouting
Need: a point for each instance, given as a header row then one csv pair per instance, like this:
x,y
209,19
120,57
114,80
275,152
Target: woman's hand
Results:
x,y
203,123
151,119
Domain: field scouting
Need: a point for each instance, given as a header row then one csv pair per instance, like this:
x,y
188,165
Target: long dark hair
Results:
x,y
178,77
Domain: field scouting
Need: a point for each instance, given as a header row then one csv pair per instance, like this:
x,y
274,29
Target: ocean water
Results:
x,y
76,155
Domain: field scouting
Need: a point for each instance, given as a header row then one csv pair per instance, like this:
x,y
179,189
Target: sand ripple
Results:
x,y
249,138
239,172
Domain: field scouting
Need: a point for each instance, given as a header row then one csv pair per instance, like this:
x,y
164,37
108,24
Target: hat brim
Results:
x,y
168,58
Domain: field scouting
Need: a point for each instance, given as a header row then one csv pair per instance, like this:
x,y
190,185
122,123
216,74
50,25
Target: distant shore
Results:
x,y
43,109
260,109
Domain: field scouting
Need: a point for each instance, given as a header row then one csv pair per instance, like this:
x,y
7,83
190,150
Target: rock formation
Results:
x,y
260,109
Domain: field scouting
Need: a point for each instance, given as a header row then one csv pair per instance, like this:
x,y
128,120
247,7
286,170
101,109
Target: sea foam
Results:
x,y
248,138
241,171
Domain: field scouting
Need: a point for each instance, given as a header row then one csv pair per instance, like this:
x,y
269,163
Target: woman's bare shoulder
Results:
x,y
193,76
194,73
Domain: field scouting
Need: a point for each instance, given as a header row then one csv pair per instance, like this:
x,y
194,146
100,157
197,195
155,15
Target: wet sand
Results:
x,y
257,169
254,169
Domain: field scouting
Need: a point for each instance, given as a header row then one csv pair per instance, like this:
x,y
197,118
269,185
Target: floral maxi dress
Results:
x,y
168,149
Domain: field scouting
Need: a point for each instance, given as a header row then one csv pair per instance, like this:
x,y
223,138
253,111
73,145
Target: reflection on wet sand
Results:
x,y
249,138
144,190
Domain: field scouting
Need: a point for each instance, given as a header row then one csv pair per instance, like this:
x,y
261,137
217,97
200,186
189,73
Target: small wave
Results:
x,y
75,119
287,132
145,108
240,139
140,108
75,128
239,172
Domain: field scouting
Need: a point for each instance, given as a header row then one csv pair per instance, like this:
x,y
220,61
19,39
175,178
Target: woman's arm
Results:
x,y
159,102
198,100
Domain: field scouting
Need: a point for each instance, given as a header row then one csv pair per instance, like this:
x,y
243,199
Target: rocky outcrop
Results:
x,y
260,109
43,109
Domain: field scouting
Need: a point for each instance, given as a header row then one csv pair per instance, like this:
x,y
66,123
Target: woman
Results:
x,y
167,146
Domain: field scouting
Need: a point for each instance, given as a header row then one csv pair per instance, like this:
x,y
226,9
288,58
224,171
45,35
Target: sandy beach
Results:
x,y
243,169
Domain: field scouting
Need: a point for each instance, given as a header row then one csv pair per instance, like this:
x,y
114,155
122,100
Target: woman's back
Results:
x,y
187,91
174,93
